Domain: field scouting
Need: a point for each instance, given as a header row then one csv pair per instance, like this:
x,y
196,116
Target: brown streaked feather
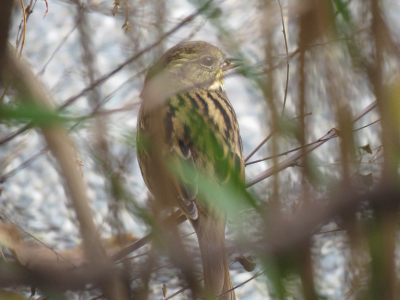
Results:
x,y
194,126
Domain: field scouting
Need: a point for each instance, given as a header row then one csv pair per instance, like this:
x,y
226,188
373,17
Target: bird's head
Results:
x,y
190,65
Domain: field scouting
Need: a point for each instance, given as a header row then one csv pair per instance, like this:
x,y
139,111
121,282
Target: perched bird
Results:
x,y
187,122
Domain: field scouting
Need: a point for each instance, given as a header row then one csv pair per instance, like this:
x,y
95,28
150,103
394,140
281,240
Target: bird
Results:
x,y
187,121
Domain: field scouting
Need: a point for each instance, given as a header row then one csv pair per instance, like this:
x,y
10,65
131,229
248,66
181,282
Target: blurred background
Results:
x,y
317,96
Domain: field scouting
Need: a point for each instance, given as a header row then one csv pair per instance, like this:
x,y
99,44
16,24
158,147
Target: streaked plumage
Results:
x,y
186,119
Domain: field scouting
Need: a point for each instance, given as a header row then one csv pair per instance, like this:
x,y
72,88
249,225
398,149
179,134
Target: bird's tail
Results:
x,y
211,235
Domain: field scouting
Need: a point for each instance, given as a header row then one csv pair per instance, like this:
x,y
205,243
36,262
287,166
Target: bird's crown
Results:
x,y
190,65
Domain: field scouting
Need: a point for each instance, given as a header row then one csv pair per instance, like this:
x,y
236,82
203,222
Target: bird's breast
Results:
x,y
192,112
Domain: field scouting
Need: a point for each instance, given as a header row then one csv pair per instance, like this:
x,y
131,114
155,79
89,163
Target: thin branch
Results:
x,y
287,57
244,282
177,217
266,140
58,141
310,147
373,157
95,113
22,44
41,72
102,79
24,29
16,133
367,125
257,148
36,239
295,149
23,165
136,56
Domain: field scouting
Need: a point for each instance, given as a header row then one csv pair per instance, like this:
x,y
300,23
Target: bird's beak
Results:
x,y
230,63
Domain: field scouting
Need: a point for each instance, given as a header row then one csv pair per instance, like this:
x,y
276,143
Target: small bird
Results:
x,y
186,121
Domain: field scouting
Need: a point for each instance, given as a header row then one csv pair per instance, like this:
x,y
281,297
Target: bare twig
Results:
x,y
62,42
264,141
176,218
102,79
258,147
323,139
310,147
36,239
298,148
24,28
287,58
244,282
58,141
137,55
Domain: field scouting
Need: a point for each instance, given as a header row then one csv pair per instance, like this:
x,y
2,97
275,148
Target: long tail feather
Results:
x,y
211,235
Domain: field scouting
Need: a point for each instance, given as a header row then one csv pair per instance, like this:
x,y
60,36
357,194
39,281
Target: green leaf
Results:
x,y
343,10
30,113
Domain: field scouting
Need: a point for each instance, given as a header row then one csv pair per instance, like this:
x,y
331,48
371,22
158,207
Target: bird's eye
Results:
x,y
207,61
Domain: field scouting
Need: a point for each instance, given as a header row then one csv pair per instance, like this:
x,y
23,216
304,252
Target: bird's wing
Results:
x,y
185,184
225,137
181,155
203,134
